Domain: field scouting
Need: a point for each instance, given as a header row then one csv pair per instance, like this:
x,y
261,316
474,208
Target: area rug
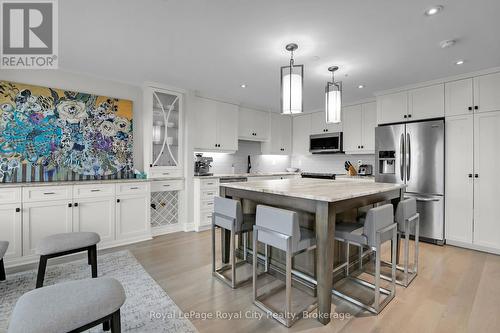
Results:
x,y
147,308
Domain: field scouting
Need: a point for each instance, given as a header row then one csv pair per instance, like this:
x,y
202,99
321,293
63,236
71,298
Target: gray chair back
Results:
x,y
285,222
229,210
376,219
406,209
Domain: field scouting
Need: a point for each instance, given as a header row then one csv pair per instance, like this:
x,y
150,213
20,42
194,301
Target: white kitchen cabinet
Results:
x,y
392,108
280,142
359,128
44,218
459,184
11,229
215,125
97,215
301,132
253,125
320,126
487,183
163,123
458,97
205,190
426,102
132,216
487,92
352,135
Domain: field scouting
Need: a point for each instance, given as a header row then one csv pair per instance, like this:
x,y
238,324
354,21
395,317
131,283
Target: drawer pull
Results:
x,y
166,185
166,173
210,193
18,210
95,190
210,183
210,204
134,188
47,193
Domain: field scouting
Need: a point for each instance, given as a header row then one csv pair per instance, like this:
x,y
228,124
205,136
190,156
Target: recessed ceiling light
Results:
x,y
447,43
243,85
434,10
361,86
459,62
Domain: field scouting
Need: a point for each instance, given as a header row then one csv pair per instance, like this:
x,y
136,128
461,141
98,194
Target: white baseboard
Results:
x,y
189,227
202,228
33,258
167,229
471,246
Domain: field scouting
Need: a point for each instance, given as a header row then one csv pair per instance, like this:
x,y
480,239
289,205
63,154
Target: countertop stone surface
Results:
x,y
317,189
257,174
84,182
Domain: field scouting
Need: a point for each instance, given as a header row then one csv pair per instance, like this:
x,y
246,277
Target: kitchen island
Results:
x,y
322,198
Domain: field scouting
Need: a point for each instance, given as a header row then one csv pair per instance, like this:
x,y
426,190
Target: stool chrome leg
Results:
x,y
245,244
377,275
288,284
232,256
254,264
348,245
266,262
360,257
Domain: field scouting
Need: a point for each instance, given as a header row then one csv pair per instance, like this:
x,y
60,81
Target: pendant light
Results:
x,y
333,99
292,83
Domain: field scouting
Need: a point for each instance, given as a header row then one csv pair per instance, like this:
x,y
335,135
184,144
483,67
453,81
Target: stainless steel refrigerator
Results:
x,y
413,154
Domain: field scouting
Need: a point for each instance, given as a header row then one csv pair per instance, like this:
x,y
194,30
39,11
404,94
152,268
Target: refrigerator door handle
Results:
x,y
408,156
427,199
401,156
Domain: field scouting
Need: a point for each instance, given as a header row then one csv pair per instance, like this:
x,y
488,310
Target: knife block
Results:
x,y
352,171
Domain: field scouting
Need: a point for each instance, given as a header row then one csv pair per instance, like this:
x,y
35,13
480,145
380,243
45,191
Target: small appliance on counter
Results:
x,y
202,165
365,170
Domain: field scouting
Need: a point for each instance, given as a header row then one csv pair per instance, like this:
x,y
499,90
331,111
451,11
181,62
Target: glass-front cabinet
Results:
x,y
163,133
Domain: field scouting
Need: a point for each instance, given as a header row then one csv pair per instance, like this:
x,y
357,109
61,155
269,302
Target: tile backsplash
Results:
x,y
333,163
224,163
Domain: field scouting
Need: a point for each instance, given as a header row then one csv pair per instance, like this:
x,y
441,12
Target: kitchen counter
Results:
x,y
80,182
317,189
257,174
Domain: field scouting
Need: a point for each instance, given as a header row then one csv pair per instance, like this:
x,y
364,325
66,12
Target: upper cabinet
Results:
x,y
473,95
426,102
415,104
280,141
163,131
359,122
301,133
319,124
392,108
253,125
215,125
487,92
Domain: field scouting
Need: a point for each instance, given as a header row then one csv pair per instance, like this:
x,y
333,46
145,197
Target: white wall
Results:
x,y
88,84
329,162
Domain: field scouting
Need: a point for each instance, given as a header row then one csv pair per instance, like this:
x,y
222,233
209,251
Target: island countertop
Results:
x,y
316,189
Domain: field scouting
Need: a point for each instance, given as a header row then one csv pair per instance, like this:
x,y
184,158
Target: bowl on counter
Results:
x,y
292,169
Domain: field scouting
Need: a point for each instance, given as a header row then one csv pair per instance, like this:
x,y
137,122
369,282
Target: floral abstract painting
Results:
x,y
51,134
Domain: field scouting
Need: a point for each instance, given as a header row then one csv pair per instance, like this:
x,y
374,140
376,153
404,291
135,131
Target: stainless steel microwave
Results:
x,y
328,143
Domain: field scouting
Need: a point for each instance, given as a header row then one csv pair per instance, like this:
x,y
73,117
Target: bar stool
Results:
x,y
280,229
228,215
379,228
406,215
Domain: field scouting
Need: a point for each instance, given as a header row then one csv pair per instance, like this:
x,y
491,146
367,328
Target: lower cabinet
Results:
x,y
42,211
11,229
97,215
132,216
42,219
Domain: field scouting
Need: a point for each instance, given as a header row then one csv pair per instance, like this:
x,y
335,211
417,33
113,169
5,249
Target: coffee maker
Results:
x,y
202,165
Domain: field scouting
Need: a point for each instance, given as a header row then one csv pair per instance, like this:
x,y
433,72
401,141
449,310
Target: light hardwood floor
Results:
x,y
457,290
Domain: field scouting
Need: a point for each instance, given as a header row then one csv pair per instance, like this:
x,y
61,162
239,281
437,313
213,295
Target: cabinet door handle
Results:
x,y
470,175
18,210
95,190
405,116
118,200
166,173
70,205
134,188
470,108
47,193
166,185
76,204
476,107
362,147
409,116
476,175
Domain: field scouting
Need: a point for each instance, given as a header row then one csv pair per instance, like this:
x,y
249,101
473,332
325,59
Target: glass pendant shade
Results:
x,y
291,89
333,102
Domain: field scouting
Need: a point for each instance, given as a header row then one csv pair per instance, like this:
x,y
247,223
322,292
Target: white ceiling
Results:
x,y
213,46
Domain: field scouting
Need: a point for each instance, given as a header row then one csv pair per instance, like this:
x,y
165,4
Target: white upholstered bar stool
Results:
x,y
280,229
228,215
379,227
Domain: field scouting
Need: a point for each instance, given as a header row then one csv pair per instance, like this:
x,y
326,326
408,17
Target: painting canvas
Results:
x,y
51,134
